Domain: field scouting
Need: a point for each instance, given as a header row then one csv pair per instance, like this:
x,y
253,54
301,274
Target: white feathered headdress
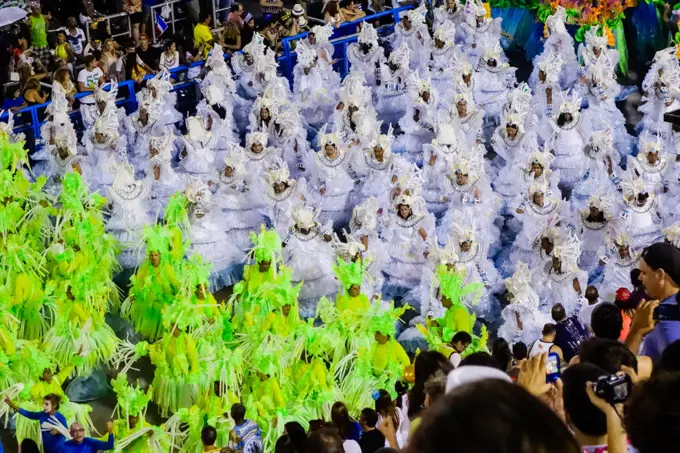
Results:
x,y
602,141
256,138
125,187
446,33
571,104
401,56
383,141
195,129
304,216
514,118
555,22
551,67
107,96
601,202
520,285
632,186
58,108
306,55
277,171
215,61
236,160
411,181
542,158
465,229
568,253
197,192
322,33
468,163
594,40
416,15
474,9
367,35
213,94
446,135
255,47
107,124
161,83
66,139
365,215
618,236
163,144
649,144
672,234
334,138
519,99
538,186
354,90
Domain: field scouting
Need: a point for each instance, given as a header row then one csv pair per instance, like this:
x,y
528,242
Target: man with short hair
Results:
x,y
546,344
208,438
246,436
459,343
593,298
371,439
81,444
660,276
236,15
203,37
89,79
148,54
606,321
75,36
569,332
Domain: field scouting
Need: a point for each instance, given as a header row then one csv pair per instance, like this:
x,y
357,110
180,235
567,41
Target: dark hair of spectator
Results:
x,y
89,59
607,354
653,414
168,43
462,337
238,412
670,359
514,421
331,8
425,365
325,440
204,16
635,278
481,358
297,437
370,417
520,351
29,446
549,329
606,321
208,435
558,313
581,413
235,7
385,406
501,352
341,420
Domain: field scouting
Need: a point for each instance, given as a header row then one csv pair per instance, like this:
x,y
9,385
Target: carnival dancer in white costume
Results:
x,y
315,85
364,230
561,280
63,158
547,88
408,229
663,59
288,134
591,223
318,39
105,148
660,98
309,253
672,234
466,117
129,214
332,180
493,81
641,212
209,239
602,113
378,168
471,242
618,257
558,42
412,31
281,194
522,320
58,124
420,120
595,48
139,128
478,28
256,152
235,108
104,100
652,164
438,156
159,89
535,221
355,117
468,190
511,141
442,64
199,149
513,180
450,10
519,99
162,177
215,113
600,165
263,111
391,87
366,55
234,198
564,133
246,66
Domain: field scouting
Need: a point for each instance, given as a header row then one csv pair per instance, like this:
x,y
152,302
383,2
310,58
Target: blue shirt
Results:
x,y
665,333
89,445
53,443
569,336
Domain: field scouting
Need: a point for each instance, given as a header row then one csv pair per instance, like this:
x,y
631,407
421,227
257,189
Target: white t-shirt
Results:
x,y
586,314
351,446
540,347
76,41
169,63
455,359
91,80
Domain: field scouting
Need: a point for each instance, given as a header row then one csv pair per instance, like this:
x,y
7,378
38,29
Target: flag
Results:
x,y
161,26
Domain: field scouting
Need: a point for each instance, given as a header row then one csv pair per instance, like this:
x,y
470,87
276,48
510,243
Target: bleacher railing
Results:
x,y
29,118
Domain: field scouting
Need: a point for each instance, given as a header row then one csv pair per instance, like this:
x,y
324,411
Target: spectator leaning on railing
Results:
x,y
203,37
89,79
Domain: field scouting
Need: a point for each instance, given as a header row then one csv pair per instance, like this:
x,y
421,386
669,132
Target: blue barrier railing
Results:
x,y
29,117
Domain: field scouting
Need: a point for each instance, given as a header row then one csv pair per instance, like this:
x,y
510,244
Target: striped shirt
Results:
x,y
246,438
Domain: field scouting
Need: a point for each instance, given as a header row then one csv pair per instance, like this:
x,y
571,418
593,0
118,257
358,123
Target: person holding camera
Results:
x,y
656,323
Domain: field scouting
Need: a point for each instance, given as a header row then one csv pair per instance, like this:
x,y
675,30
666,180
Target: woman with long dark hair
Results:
x,y
349,429
426,364
386,408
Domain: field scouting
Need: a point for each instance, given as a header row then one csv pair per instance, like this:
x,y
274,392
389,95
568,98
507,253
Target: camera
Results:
x,y
614,388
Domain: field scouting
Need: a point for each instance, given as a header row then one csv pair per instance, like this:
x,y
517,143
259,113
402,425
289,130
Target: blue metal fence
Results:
x,y
28,120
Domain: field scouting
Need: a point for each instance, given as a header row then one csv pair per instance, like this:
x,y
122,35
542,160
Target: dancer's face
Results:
x,y
101,105
311,38
557,264
285,310
404,211
155,259
228,171
133,420
354,290
597,51
541,76
331,151
446,302
380,338
406,22
426,96
461,178
47,406
256,148
622,249
379,153
547,245
279,187
537,169
143,116
451,5
264,113
539,198
465,246
263,266
461,106
99,137
511,130
200,291
467,78
439,44
652,157
47,375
